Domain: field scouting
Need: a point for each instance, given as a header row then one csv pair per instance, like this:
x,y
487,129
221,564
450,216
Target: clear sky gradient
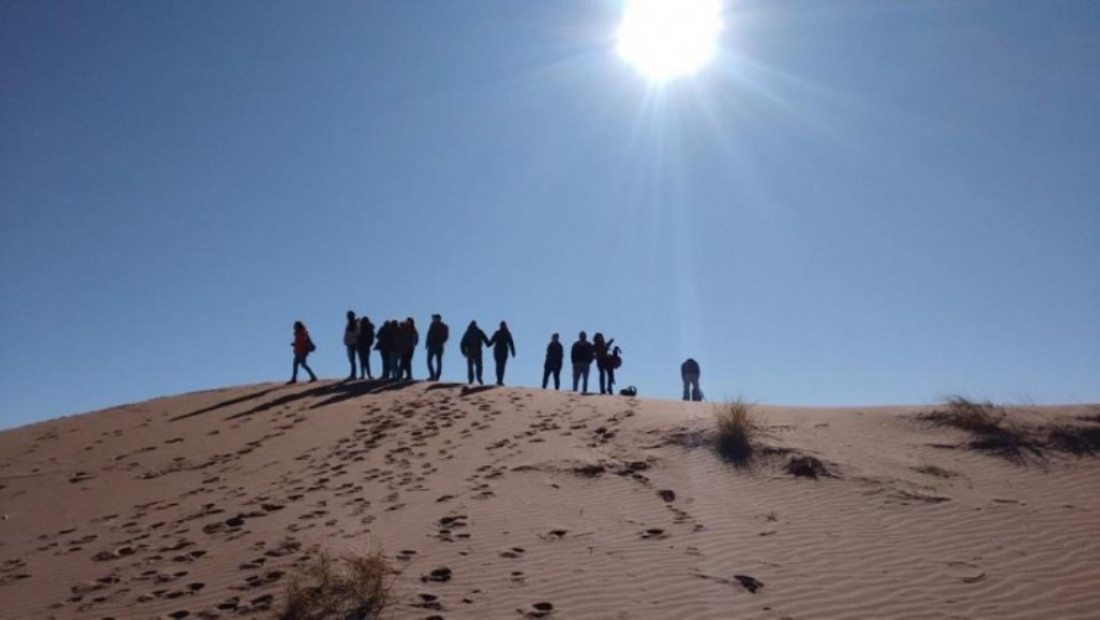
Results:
x,y
858,202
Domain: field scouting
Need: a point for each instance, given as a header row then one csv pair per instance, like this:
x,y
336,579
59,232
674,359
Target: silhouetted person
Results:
x,y
502,344
471,344
407,339
385,345
689,372
363,345
552,367
582,355
438,332
602,350
351,338
303,346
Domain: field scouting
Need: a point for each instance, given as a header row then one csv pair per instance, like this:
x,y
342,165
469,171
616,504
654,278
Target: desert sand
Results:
x,y
537,504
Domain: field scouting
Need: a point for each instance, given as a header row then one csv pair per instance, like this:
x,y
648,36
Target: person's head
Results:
x,y
583,336
473,325
351,315
298,326
436,318
598,337
410,321
554,337
504,326
363,320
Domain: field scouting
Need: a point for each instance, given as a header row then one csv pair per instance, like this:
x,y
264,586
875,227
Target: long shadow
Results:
x,y
466,391
351,390
441,386
320,390
225,403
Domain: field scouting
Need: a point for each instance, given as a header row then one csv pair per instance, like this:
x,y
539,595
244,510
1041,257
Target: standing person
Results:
x,y
582,355
351,339
408,338
363,346
303,345
502,343
554,354
470,346
385,348
438,332
689,373
603,362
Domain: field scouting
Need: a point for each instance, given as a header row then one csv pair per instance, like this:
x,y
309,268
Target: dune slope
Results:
x,y
538,504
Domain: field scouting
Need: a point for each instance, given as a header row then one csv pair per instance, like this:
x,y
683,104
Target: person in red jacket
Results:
x,y
303,346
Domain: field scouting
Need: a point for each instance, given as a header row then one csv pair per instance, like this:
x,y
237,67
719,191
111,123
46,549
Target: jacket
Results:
x,y
502,343
554,355
583,352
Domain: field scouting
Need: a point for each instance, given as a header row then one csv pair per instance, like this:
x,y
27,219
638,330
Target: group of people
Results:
x,y
396,343
582,355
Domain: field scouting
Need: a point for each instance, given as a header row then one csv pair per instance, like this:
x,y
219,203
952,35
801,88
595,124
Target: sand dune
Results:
x,y
506,503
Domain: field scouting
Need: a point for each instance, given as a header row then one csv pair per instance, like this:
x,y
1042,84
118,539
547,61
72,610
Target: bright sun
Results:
x,y
666,39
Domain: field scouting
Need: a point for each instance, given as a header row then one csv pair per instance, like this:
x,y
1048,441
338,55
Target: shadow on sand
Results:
x,y
226,403
335,392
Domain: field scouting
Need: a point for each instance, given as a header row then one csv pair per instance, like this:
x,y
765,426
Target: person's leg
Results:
x,y
501,363
603,376
366,363
586,368
687,388
470,369
696,392
557,378
294,372
480,368
395,365
610,380
431,365
576,376
312,377
351,360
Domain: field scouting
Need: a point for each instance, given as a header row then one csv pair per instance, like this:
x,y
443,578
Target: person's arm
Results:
x,y
485,339
512,345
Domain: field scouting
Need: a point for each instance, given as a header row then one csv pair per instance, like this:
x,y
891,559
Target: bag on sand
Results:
x,y
628,391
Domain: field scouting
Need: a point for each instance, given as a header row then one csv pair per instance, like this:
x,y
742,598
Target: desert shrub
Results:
x,y
959,412
1074,439
352,587
737,431
989,428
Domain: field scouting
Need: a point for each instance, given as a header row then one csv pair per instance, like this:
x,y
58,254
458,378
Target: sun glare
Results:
x,y
666,39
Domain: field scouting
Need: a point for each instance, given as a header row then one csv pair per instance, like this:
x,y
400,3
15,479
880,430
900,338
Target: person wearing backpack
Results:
x,y
470,346
303,346
351,339
552,366
502,344
438,332
602,349
363,345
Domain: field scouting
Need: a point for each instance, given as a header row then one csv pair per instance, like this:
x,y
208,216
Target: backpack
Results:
x,y
616,359
628,391
309,345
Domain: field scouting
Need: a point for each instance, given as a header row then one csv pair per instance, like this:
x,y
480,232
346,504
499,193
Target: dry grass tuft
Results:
x,y
737,432
989,428
354,587
1078,440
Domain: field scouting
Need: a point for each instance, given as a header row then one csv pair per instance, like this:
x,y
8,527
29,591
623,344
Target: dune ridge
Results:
x,y
537,504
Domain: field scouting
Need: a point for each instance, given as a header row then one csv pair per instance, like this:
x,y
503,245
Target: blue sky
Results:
x,y
857,202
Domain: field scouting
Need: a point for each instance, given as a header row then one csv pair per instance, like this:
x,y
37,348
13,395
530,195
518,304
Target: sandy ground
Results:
x,y
540,504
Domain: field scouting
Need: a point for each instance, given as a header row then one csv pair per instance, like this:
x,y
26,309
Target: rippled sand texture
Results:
x,y
501,503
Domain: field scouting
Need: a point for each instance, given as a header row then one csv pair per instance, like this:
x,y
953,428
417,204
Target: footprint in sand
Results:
x,y
965,572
